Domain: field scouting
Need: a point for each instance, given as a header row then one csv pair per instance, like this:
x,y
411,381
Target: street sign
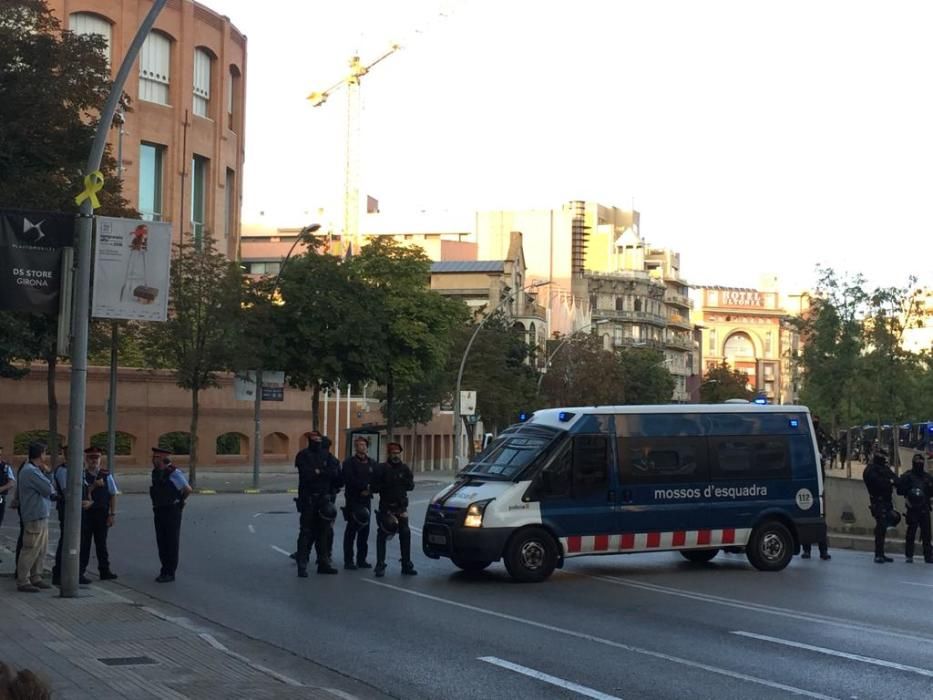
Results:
x,y
273,393
467,403
273,386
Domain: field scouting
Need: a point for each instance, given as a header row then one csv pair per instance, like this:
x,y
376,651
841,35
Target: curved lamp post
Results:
x,y
304,234
458,427
563,342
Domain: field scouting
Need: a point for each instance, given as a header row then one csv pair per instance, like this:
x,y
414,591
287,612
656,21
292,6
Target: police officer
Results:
x,y
879,480
60,484
169,491
318,481
98,513
822,543
357,477
392,481
916,486
7,484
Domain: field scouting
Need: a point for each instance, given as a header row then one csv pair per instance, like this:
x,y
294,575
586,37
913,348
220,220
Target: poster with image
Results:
x,y
31,244
131,269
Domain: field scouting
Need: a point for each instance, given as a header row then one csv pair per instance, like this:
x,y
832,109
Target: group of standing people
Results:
x,y
35,486
320,479
916,486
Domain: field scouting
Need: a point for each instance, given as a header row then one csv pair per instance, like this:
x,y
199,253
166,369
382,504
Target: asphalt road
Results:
x,y
633,626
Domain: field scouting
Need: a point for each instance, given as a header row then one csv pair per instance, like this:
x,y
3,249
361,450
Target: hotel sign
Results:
x,y
741,297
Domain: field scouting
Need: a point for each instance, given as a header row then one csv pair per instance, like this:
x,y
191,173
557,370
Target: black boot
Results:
x,y
302,572
380,570
349,565
408,569
325,567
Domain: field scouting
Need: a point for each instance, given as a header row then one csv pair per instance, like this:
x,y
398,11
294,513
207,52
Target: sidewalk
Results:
x,y
113,642
276,480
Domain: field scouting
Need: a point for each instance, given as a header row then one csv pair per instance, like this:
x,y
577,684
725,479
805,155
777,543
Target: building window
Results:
x,y
768,343
202,82
712,342
739,345
230,199
637,304
620,303
198,196
155,60
84,23
151,159
233,96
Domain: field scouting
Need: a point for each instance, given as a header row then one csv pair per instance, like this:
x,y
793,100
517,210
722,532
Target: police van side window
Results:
x,y
662,460
749,458
590,465
555,480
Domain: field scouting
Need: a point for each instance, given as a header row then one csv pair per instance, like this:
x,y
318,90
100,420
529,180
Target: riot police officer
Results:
x,y
392,481
318,481
357,478
916,486
879,480
168,492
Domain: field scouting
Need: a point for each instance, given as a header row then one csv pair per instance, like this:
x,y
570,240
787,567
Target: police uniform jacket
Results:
x,y
916,480
357,477
318,473
393,481
879,480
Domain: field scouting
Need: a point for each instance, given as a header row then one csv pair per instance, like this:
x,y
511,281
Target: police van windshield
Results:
x,y
508,455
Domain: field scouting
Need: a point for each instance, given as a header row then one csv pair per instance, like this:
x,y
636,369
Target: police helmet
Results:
x,y
388,523
918,461
894,518
326,510
880,458
359,516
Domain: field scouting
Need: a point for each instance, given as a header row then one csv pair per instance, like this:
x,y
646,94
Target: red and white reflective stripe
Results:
x,y
654,541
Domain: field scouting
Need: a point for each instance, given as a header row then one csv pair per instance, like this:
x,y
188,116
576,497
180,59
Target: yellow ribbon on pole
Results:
x,y
93,183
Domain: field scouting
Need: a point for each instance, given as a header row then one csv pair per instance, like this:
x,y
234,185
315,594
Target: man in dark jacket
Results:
x,y
916,486
879,480
392,481
357,478
318,481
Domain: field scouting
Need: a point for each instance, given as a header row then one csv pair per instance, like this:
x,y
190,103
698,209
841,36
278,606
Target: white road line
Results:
x,y
418,503
415,529
251,528
256,515
913,583
607,642
280,550
281,678
833,652
553,680
757,607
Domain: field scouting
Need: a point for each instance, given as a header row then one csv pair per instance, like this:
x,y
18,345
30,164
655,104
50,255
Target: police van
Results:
x,y
695,479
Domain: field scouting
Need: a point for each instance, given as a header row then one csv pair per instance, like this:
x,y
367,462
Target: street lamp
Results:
x,y
561,344
303,235
458,427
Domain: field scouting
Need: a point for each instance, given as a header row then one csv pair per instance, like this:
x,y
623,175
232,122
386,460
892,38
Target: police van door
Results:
x,y
578,488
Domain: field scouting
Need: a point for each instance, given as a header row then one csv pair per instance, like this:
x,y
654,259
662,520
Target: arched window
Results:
x,y
233,96
202,82
155,60
85,23
739,345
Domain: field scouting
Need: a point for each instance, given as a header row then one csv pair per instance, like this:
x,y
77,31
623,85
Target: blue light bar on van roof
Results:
x,y
794,423
564,416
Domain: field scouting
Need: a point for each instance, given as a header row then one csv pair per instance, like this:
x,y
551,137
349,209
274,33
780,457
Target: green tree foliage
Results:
x,y
645,376
722,383
411,324
197,340
582,373
53,83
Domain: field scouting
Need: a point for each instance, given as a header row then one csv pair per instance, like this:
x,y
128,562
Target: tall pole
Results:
x,y
561,344
458,422
82,302
112,401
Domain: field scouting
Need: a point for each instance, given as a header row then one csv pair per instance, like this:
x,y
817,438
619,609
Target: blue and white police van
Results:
x,y
695,479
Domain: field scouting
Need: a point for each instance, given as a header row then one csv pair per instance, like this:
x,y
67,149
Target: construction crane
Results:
x,y
351,200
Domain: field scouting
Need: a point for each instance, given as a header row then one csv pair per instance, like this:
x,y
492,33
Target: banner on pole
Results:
x,y
131,269
273,386
467,403
31,244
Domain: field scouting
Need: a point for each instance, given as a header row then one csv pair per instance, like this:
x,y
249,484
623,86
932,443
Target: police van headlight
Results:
x,y
474,514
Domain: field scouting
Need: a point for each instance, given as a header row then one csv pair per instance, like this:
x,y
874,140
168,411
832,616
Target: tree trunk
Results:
x,y
390,410
414,446
316,406
193,439
52,399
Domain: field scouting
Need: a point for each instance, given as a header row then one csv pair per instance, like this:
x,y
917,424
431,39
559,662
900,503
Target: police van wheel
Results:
x,y
471,566
531,555
699,556
771,546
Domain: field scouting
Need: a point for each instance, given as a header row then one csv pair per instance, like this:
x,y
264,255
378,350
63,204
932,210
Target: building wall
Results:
x,y
175,126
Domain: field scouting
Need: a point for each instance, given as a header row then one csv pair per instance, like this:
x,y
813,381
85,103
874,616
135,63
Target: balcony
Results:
x,y
630,342
630,316
678,300
679,343
679,321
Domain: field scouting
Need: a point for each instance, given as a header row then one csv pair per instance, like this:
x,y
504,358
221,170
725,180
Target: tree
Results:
x,y
52,83
646,379
582,373
411,322
722,383
326,329
195,341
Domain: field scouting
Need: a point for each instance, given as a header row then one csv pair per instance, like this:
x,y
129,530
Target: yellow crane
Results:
x,y
351,199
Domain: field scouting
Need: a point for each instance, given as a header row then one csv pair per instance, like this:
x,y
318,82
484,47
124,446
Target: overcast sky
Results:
x,y
753,137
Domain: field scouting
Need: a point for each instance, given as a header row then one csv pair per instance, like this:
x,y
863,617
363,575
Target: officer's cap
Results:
x,y
93,451
394,446
160,451
360,437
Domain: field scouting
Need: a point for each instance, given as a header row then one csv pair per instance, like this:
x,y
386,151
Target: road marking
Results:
x,y
756,607
256,515
251,528
607,642
416,530
340,693
553,680
833,652
913,583
418,503
280,550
